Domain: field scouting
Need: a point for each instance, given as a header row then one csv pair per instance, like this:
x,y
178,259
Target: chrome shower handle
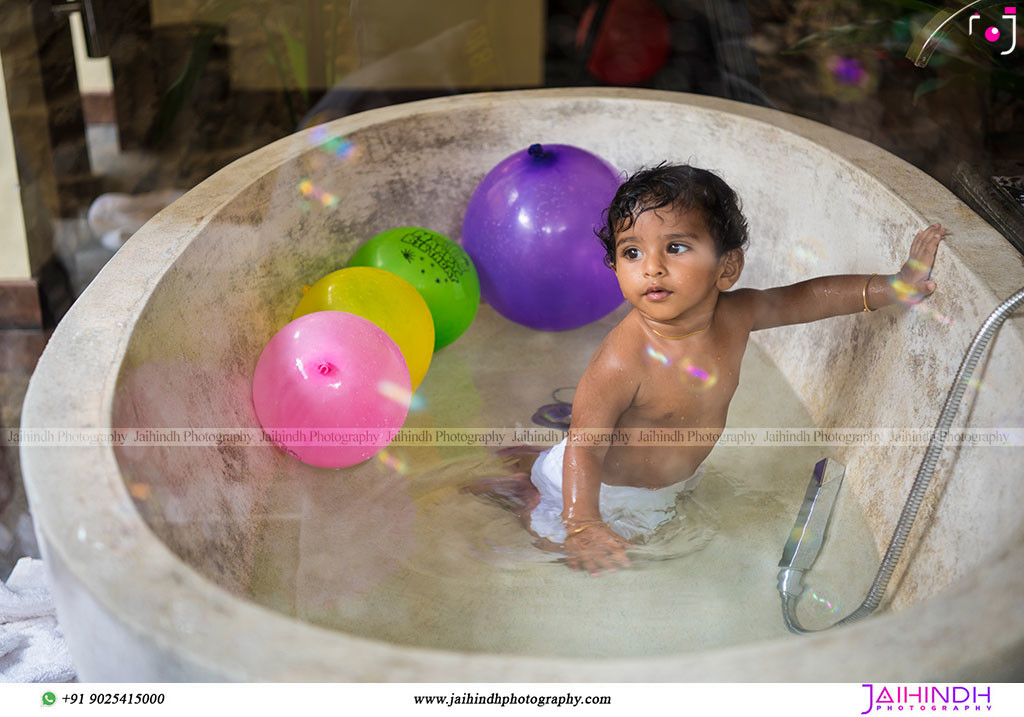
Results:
x,y
808,533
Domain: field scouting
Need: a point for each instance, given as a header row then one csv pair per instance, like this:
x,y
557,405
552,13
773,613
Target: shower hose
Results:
x,y
924,476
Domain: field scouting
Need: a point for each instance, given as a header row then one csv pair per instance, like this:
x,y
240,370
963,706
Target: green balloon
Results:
x,y
439,269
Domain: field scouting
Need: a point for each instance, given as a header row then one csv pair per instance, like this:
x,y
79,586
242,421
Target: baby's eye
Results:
x,y
676,248
631,253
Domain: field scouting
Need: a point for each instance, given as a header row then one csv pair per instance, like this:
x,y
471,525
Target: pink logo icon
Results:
x,y
992,34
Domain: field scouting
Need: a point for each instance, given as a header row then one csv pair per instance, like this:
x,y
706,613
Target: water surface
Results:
x,y
393,550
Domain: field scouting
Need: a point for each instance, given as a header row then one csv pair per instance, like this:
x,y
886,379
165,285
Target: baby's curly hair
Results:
x,y
678,186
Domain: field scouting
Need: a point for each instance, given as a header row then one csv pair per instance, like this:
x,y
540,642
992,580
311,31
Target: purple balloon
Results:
x,y
529,229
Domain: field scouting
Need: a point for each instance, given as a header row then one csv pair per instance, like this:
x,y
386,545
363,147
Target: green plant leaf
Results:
x,y
295,50
178,93
866,34
214,15
279,66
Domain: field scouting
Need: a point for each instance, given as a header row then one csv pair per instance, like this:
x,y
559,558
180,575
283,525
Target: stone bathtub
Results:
x,y
158,554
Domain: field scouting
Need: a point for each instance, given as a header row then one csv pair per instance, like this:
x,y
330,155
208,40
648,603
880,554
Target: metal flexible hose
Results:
x,y
924,474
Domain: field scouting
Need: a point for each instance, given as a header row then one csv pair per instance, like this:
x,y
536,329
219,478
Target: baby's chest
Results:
x,y
687,391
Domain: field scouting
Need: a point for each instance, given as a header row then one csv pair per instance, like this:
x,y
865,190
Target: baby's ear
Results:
x,y
731,266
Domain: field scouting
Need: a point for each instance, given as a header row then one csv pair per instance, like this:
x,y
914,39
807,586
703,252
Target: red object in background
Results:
x,y
632,42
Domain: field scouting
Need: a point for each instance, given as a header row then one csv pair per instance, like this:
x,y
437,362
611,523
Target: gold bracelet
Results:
x,y
581,528
865,296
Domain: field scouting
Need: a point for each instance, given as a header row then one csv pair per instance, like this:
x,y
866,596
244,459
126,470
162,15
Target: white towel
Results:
x,y
32,647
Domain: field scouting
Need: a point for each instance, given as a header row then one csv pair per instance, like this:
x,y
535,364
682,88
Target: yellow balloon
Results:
x,y
386,299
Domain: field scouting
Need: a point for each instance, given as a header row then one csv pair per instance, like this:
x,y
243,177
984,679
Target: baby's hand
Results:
x,y
913,283
597,548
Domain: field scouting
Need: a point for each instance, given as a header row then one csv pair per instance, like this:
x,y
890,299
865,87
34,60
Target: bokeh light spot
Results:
x,y
703,378
930,312
657,355
823,602
807,254
398,394
311,192
847,70
332,144
905,293
393,462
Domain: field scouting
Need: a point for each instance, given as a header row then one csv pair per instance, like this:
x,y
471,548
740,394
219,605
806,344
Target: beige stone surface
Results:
x,y
169,333
13,249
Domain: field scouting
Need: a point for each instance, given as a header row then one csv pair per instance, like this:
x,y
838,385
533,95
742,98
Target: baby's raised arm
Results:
x,y
829,296
605,391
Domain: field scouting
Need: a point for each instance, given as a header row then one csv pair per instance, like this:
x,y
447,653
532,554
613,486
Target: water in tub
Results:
x,y
392,550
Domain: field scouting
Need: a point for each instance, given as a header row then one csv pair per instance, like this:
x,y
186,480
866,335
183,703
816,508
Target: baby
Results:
x,y
674,238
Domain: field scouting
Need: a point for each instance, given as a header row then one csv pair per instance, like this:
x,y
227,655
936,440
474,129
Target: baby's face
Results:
x,y
666,263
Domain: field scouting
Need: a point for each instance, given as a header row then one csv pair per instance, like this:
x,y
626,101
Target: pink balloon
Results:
x,y
331,389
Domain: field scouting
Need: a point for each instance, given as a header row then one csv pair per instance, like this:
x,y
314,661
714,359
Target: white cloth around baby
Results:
x,y
634,513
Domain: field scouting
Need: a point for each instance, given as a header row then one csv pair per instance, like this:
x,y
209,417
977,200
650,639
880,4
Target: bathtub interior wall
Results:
x,y
237,274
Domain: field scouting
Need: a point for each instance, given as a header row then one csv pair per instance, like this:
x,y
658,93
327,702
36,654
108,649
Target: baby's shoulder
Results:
x,y
736,309
737,300
622,346
615,370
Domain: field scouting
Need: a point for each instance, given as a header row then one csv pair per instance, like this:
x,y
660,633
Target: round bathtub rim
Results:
x,y
89,315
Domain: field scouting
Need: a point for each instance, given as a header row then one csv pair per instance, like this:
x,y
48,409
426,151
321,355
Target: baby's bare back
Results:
x,y
685,384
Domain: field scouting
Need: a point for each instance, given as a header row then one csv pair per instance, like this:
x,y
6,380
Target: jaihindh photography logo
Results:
x,y
927,698
993,33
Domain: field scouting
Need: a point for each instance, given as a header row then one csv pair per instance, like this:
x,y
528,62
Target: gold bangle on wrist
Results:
x,y
865,293
581,528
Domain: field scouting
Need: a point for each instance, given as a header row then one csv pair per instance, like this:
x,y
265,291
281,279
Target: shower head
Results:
x,y
808,532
